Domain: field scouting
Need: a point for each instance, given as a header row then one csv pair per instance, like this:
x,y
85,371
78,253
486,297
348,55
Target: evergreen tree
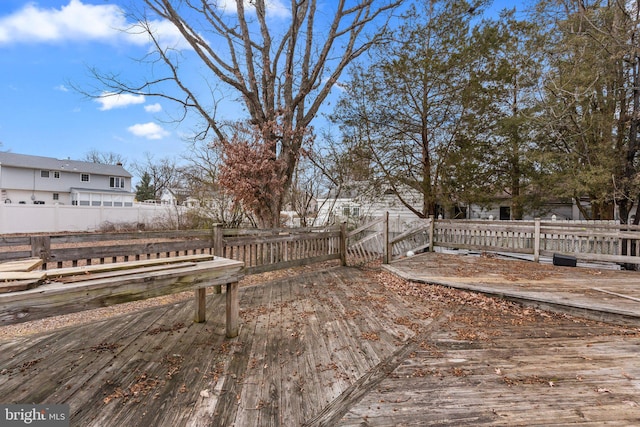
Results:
x,y
144,190
592,102
493,155
403,113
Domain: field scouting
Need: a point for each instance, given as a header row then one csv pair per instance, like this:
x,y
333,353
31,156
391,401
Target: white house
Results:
x,y
26,179
353,206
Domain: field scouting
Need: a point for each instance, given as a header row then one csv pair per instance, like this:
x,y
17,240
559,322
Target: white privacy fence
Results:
x,y
17,218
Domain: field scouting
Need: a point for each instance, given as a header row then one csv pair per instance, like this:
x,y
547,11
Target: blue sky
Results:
x,y
46,47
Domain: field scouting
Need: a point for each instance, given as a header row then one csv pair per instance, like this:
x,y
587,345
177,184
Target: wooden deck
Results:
x,y
341,347
596,293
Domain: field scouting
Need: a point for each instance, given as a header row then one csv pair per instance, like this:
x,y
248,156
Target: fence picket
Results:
x,y
266,250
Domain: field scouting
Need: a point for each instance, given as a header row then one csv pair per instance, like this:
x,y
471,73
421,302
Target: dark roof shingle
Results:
x,y
49,163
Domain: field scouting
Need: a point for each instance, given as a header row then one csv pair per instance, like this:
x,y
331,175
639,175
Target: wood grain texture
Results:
x,y
60,298
338,347
28,264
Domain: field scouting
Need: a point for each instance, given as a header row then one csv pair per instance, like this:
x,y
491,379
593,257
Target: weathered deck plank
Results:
x,y
575,291
336,347
514,380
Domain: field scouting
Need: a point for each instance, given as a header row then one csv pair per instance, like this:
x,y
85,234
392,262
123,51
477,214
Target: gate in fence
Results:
x,y
371,242
367,243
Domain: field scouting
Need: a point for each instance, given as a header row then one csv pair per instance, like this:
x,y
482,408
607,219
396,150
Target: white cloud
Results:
x,y
275,8
82,22
148,130
73,21
61,88
109,100
153,108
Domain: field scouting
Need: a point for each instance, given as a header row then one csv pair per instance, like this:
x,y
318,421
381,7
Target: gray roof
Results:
x,y
49,163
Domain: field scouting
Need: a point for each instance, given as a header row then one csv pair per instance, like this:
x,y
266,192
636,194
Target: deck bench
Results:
x,y
68,290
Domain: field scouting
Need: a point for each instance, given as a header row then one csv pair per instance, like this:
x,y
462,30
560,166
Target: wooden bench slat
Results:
x,y
18,285
90,275
29,264
118,286
70,271
6,276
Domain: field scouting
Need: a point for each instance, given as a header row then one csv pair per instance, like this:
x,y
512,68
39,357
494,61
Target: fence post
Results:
x,y
218,246
343,244
41,247
536,240
218,250
432,227
388,250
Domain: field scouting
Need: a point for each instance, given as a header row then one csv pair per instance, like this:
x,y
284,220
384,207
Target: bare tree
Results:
x,y
281,70
164,173
103,157
201,177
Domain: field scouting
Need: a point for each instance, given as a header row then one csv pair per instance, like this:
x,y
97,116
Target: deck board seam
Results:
x,y
334,411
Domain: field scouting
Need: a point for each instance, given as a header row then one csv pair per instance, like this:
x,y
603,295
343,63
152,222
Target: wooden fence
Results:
x,y
260,250
366,243
599,242
268,250
283,249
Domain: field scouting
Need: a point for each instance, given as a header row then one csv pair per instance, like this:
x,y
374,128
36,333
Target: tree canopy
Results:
x,y
466,111
437,99
279,64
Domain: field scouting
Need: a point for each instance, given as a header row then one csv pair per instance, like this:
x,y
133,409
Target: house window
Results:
x,y
56,196
56,174
44,174
505,213
350,211
116,182
84,177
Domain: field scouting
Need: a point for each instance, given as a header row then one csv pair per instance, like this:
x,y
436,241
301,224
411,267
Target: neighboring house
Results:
x,y
26,179
177,196
558,209
352,207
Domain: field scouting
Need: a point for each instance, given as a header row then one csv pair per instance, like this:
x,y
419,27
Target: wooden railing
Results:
x,y
417,239
286,249
74,250
616,243
267,250
601,242
260,250
365,243
507,236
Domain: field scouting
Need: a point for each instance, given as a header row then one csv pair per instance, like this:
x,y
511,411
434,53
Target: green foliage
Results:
x,y
144,190
493,151
540,109
590,103
401,114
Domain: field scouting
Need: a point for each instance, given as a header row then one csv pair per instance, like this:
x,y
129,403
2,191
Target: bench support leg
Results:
x,y
233,309
201,305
